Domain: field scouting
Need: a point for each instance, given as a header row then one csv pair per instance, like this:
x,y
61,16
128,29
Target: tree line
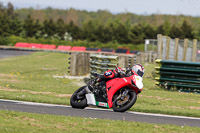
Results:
x,y
93,30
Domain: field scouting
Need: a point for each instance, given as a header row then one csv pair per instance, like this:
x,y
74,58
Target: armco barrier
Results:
x,y
183,76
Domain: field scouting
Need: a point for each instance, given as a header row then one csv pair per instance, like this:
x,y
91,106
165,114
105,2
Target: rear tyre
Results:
x,y
126,104
78,101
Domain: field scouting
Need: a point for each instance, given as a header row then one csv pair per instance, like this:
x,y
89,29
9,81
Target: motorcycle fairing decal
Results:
x,y
102,104
124,79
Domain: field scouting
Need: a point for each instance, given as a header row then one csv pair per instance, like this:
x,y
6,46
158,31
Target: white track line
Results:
x,y
100,109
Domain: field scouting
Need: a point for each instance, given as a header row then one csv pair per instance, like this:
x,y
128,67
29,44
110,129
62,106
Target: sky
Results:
x,y
140,7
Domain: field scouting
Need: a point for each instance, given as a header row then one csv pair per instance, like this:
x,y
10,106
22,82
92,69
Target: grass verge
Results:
x,y
20,122
30,78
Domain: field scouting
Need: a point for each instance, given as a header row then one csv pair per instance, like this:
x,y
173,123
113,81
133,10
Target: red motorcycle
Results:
x,y
121,93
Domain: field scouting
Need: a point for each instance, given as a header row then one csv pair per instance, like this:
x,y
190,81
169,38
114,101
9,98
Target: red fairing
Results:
x,y
114,85
109,74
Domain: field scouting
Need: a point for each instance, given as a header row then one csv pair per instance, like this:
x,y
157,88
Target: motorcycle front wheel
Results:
x,y
78,99
122,105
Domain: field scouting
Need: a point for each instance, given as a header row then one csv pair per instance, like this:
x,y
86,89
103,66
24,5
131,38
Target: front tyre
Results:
x,y
78,99
123,104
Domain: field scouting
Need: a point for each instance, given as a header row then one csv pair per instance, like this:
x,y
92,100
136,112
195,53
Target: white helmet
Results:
x,y
139,69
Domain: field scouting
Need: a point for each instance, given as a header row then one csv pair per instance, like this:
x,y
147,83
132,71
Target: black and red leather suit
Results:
x,y
111,74
108,75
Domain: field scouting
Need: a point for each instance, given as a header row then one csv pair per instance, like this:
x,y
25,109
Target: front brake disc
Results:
x,y
121,102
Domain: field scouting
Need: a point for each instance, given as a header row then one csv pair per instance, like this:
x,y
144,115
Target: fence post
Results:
x,y
142,57
194,50
167,50
132,60
160,45
176,49
185,49
79,66
87,63
138,58
73,64
154,57
123,61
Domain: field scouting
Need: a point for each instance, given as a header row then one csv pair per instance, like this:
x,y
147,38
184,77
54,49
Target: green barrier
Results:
x,y
184,76
175,69
178,62
179,80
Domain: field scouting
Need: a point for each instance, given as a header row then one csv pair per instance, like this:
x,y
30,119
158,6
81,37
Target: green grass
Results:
x,y
30,78
18,122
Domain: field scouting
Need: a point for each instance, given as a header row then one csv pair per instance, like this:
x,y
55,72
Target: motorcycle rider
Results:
x,y
118,73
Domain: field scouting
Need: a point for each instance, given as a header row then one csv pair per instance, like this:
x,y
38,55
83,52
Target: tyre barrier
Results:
x,y
101,63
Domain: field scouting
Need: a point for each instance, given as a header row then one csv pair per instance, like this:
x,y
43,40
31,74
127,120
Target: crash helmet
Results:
x,y
139,69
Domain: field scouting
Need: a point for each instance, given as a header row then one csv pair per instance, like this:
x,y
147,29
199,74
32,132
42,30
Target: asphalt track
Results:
x,y
97,113
11,53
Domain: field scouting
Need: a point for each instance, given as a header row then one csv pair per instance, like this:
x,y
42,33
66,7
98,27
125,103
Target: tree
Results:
x,y
4,25
121,33
10,9
75,31
60,28
164,29
31,26
186,30
49,27
137,34
89,29
149,31
175,32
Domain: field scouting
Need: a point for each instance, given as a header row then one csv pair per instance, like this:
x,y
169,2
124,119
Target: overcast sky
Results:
x,y
145,7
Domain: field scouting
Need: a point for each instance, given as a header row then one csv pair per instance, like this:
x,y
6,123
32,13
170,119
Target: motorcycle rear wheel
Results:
x,y
132,97
76,102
